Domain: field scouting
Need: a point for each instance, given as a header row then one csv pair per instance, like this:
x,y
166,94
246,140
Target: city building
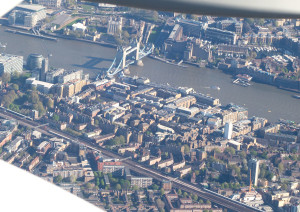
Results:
x,y
114,26
141,182
14,145
79,27
205,99
253,169
191,28
220,36
34,61
27,15
49,3
43,147
11,63
41,86
228,130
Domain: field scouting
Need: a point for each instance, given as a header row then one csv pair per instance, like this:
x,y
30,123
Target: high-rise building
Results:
x,y
44,69
10,63
114,26
228,130
253,165
34,61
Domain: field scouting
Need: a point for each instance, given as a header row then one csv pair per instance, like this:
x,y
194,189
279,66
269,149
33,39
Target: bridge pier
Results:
x,y
126,71
121,63
139,63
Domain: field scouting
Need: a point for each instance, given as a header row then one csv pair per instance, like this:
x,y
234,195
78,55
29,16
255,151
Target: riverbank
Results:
x,y
105,44
92,59
54,36
167,61
31,35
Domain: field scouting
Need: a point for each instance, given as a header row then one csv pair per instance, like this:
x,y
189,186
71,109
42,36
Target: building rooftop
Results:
x,y
6,57
31,8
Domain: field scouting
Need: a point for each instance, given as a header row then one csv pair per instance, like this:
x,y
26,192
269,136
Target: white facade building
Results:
x,y
228,130
253,165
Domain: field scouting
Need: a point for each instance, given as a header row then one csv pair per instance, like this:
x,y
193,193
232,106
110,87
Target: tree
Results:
x,y
186,149
253,153
269,176
56,118
34,97
88,186
249,21
217,150
195,197
57,179
242,154
284,186
15,87
73,179
6,78
125,184
102,184
185,194
40,107
119,140
162,191
208,202
155,187
246,28
264,155
9,98
280,167
50,103
230,150
118,187
262,173
260,21
194,17
179,192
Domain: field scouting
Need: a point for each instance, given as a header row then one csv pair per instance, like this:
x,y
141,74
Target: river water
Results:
x,y
261,100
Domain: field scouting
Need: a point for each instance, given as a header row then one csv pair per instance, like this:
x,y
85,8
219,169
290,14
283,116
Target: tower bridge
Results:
x,y
127,56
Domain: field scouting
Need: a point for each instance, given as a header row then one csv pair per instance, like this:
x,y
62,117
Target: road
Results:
x,y
136,167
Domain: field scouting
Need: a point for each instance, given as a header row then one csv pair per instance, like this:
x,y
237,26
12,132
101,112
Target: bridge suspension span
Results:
x,y
127,56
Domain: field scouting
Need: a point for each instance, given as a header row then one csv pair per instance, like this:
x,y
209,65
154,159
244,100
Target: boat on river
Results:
x,y
296,96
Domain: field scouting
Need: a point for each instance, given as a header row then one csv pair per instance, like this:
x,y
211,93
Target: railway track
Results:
x,y
215,198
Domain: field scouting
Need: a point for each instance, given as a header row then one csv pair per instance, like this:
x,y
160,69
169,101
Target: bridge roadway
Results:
x,y
136,167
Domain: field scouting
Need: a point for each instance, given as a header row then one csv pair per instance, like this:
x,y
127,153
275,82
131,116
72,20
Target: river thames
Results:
x,y
261,100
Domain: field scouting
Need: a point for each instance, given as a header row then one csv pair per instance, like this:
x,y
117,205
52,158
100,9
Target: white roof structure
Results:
x,y
79,26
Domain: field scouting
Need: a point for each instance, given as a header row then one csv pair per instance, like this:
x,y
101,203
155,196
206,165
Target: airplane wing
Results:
x,y
8,5
237,8
22,191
